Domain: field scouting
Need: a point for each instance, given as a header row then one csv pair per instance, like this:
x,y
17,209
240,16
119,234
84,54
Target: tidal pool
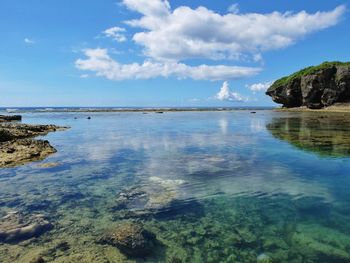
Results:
x,y
210,186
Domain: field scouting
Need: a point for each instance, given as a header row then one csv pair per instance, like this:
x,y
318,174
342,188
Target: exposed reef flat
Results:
x,y
18,147
314,87
337,107
5,118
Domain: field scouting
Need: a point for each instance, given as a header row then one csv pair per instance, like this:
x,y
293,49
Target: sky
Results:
x,y
157,53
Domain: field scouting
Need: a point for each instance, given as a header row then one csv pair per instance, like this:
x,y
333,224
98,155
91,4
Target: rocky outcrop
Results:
x,y
14,131
313,87
17,145
22,151
131,238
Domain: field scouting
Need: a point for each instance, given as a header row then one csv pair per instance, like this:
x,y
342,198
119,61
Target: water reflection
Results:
x,y
324,134
214,187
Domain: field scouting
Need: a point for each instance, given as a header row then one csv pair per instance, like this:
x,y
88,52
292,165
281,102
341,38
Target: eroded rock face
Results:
x,y
131,238
15,227
322,88
17,146
289,95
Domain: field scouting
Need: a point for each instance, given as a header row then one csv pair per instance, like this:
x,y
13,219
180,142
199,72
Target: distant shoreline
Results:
x,y
156,110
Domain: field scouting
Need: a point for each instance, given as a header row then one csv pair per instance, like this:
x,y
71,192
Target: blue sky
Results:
x,y
161,53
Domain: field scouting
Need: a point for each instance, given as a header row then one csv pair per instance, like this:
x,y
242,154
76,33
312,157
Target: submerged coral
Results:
x,y
15,227
131,238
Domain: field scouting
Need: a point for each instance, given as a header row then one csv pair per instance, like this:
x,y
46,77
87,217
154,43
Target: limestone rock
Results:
x,y
313,87
17,146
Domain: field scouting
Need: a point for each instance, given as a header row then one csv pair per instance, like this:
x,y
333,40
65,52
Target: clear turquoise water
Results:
x,y
220,186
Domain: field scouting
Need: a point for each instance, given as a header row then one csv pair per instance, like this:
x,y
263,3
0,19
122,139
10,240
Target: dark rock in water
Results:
x,y
4,118
159,112
15,227
253,112
89,118
63,246
132,239
313,87
37,259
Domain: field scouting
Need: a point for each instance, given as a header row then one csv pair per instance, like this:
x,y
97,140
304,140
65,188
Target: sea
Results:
x,y
233,185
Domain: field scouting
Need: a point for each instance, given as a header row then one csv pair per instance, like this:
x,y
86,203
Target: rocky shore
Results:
x,y
17,143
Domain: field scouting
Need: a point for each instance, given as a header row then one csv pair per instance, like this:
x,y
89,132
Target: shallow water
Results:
x,y
216,187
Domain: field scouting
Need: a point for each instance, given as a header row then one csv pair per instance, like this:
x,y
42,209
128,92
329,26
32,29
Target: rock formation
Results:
x,y
313,87
17,145
131,238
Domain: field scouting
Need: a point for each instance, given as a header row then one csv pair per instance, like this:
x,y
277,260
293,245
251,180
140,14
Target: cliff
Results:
x,y
314,87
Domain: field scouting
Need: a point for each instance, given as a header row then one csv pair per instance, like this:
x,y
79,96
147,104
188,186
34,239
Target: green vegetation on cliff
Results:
x,y
306,71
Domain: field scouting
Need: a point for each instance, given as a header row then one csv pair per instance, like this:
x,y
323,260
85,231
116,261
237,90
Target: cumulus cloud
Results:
x,y
116,33
149,7
256,87
99,61
28,41
169,37
185,33
225,94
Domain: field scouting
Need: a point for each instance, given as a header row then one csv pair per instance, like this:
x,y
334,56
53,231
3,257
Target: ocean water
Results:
x,y
212,186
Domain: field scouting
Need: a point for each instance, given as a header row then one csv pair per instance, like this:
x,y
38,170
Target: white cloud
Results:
x,y
99,61
84,76
225,94
169,37
116,33
28,41
256,87
185,33
149,7
234,9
